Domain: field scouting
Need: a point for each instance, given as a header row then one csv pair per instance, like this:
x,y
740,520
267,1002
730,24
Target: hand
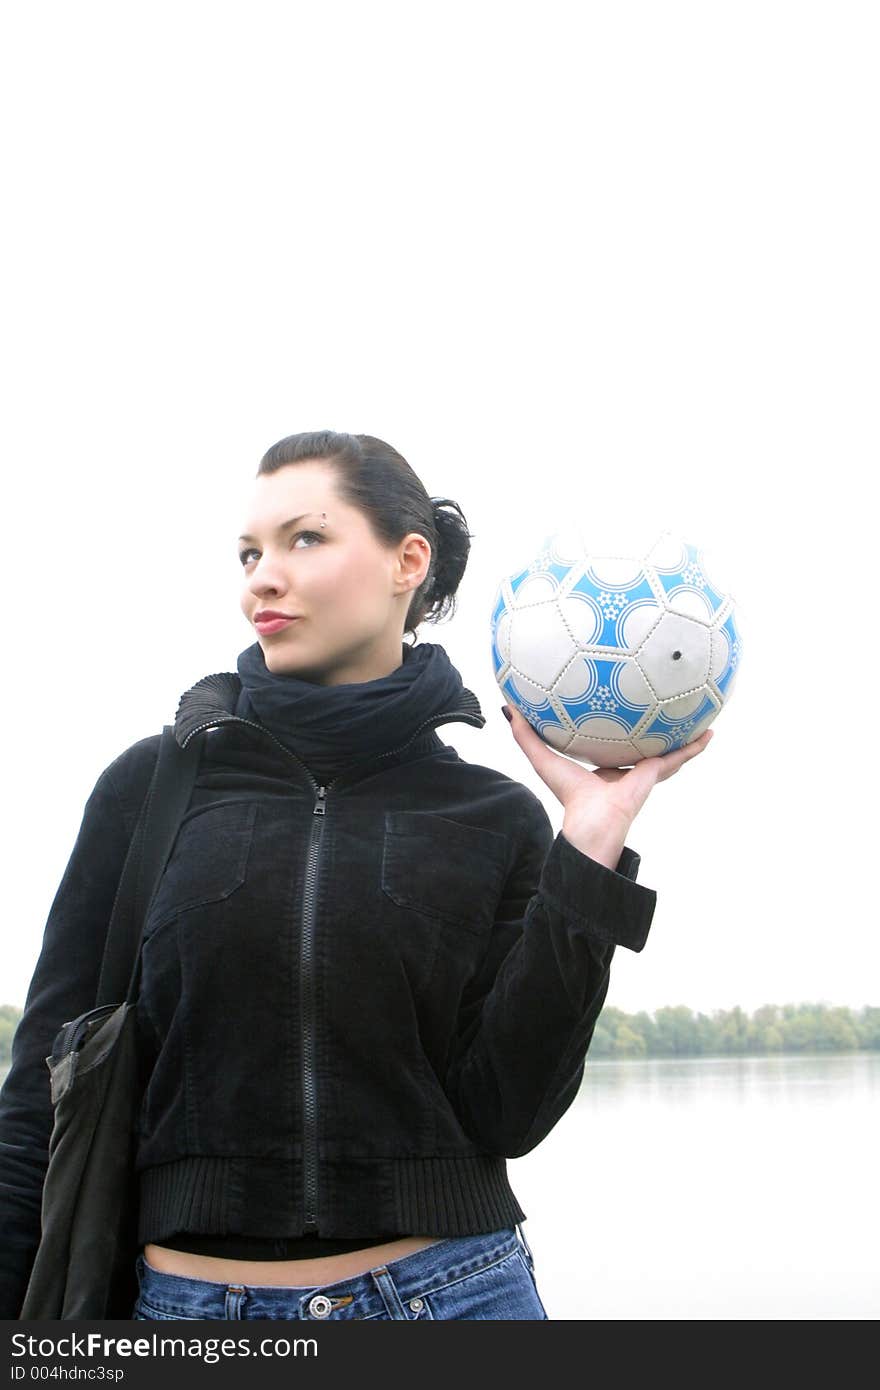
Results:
x,y
602,803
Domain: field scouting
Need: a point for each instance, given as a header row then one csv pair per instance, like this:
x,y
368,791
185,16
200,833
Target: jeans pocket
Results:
x,y
503,1289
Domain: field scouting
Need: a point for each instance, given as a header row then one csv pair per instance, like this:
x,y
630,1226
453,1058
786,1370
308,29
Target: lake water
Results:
x,y
710,1188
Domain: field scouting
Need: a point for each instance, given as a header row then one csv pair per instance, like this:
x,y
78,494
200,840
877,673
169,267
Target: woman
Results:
x,y
370,973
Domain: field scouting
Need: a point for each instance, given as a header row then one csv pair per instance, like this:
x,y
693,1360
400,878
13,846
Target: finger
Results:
x,y
552,767
671,762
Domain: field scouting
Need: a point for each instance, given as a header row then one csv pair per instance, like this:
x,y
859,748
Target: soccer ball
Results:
x,y
615,657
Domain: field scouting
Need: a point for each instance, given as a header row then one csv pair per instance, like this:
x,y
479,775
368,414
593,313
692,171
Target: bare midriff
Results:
x,y
293,1273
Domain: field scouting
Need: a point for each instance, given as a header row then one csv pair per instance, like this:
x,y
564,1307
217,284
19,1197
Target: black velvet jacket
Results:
x,y
358,999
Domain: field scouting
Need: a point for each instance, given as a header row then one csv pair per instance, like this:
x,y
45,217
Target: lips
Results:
x,y
273,624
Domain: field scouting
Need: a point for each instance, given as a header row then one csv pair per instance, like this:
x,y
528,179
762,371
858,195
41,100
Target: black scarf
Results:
x,y
331,727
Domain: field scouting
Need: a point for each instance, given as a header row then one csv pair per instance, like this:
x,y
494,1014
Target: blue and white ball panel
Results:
x,y
540,643
726,649
612,606
558,736
675,657
501,647
500,603
604,697
500,628
668,730
613,571
638,622
686,705
540,580
582,619
618,752
682,576
535,704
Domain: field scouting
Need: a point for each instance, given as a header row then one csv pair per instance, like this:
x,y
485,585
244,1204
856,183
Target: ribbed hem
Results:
x,y
455,1196
461,1196
192,1195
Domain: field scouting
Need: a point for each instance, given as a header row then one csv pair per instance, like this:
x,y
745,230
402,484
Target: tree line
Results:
x,y
9,1016
676,1031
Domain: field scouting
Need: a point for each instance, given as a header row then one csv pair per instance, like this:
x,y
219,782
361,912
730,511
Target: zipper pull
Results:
x,y
320,808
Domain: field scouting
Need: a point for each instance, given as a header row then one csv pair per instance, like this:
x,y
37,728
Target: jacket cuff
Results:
x,y
606,903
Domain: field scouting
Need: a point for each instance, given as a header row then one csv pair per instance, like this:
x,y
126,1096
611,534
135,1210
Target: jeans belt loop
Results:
x,y
522,1237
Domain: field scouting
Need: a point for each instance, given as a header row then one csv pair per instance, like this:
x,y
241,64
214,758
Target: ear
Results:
x,y
413,560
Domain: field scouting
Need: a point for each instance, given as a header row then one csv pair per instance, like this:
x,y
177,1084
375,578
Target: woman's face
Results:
x,y
347,593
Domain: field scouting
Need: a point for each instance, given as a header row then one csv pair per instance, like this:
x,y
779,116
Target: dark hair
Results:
x,y
375,478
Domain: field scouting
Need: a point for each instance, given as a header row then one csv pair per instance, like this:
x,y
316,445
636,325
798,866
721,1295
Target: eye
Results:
x,y
243,554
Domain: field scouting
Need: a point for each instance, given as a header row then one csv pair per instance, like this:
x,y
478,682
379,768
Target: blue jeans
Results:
x,y
475,1277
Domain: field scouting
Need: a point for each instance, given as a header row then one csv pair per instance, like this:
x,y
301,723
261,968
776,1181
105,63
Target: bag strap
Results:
x,y
161,813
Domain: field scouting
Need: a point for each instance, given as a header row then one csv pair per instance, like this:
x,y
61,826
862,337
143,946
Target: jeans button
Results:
x,y
416,1304
319,1306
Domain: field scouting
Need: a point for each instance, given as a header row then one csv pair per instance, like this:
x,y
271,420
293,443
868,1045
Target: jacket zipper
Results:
x,y
307,984
307,1005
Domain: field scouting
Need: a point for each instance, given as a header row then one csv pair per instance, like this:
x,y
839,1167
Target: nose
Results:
x,y
266,577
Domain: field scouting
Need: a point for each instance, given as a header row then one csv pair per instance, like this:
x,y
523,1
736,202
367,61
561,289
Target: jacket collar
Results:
x,y
212,701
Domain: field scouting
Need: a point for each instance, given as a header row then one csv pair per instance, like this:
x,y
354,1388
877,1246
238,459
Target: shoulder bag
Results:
x,y
85,1263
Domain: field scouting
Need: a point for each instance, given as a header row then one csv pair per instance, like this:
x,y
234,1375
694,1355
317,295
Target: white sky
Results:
x,y
616,262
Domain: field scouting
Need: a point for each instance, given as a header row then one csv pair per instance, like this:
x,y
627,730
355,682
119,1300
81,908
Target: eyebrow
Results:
x,y
285,525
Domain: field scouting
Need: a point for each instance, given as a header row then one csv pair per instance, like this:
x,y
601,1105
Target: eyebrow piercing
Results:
x,y
324,522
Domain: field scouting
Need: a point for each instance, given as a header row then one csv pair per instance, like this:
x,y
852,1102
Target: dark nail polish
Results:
x,y
507,715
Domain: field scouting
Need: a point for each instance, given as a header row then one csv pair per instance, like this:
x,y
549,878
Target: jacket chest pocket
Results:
x,y
208,862
446,878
